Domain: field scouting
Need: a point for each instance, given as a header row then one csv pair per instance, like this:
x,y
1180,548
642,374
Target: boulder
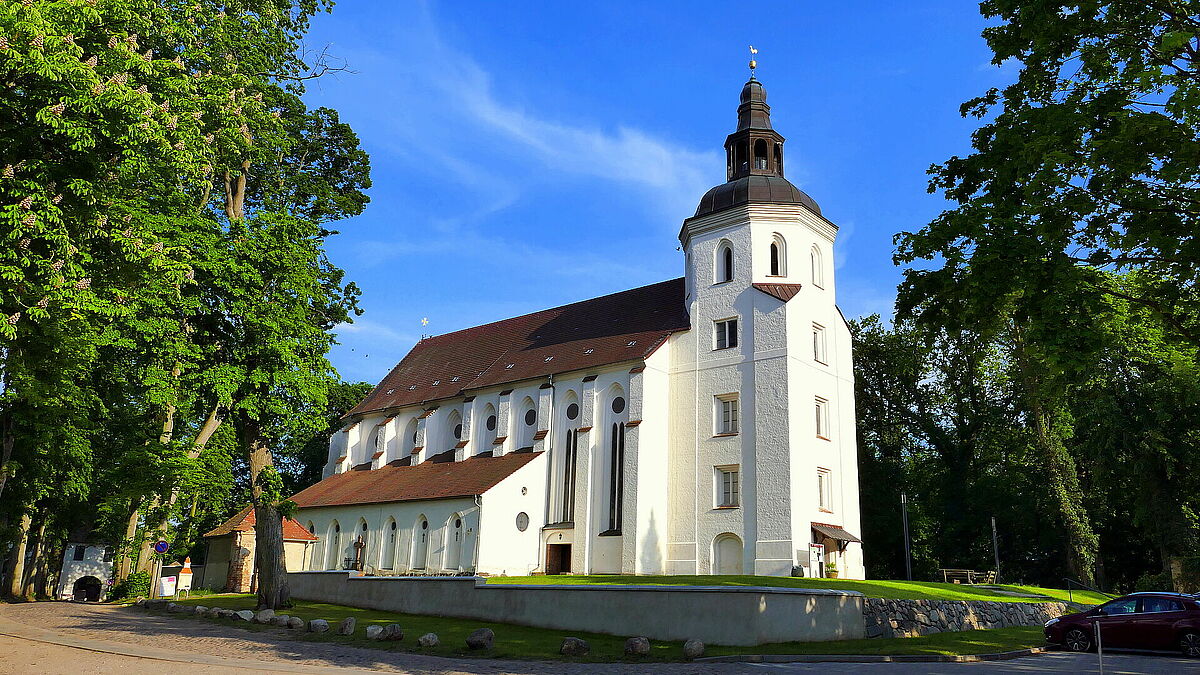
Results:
x,y
140,602
428,640
573,646
318,626
295,622
374,632
172,607
199,610
244,615
346,627
637,646
693,649
280,620
392,631
264,616
482,638
156,604
227,614
213,612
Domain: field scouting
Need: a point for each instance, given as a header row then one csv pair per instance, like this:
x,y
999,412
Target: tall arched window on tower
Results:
x,y
779,158
778,256
740,156
570,457
818,268
616,460
724,263
760,155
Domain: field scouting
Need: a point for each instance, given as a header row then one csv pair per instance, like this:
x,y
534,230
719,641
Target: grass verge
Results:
x,y
887,589
524,642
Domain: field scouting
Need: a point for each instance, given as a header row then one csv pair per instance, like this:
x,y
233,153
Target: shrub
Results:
x,y
1154,582
134,586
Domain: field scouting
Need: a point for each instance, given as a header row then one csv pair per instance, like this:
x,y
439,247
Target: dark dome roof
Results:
x,y
754,189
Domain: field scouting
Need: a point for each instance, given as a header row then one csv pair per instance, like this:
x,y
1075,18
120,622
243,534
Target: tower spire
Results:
x,y
755,148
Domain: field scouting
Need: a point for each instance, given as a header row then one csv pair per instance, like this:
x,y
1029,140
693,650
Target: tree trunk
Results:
x,y
6,446
16,581
129,547
273,591
36,552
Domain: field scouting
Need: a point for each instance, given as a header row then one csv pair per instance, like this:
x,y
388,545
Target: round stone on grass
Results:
x,y
264,616
280,620
573,646
637,646
318,626
295,622
428,640
374,632
693,649
393,632
346,627
213,612
482,638
199,610
245,615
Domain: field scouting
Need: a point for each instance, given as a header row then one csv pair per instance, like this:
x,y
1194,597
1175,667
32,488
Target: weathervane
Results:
x,y
753,63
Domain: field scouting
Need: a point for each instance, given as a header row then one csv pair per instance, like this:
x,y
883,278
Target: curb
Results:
x,y
873,658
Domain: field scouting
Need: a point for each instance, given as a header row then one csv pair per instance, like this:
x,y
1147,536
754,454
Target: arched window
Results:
x,y
741,158
724,263
526,424
778,256
390,535
728,163
454,542
617,415
779,158
565,472
420,545
760,155
410,437
818,268
488,435
356,551
313,551
333,545
454,429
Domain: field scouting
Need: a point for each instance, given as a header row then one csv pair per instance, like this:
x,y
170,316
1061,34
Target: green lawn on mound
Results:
x,y
523,642
887,589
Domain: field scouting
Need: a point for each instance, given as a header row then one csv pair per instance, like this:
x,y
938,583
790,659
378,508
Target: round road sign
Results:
x,y
161,546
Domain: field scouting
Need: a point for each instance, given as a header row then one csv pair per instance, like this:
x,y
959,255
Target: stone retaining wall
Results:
x,y
910,618
729,615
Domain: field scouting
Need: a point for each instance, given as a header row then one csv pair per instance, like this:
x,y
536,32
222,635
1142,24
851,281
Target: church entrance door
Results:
x,y
558,558
86,589
727,549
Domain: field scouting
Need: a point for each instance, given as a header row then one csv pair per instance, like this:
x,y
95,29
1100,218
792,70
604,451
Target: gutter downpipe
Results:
x,y
478,532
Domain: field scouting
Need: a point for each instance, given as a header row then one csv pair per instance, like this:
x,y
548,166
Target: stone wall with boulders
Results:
x,y
910,618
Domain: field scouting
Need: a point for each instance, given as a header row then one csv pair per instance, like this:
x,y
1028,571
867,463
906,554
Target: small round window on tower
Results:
x,y
573,411
458,432
618,405
491,423
530,418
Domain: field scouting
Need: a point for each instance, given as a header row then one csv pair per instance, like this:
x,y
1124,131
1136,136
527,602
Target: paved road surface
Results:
x,y
130,642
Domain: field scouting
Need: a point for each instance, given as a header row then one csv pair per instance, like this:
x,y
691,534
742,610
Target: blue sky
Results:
x,y
530,154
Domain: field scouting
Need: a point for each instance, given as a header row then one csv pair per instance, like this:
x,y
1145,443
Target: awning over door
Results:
x,y
835,532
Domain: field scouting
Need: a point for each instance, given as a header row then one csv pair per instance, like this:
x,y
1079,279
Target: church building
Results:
x,y
701,425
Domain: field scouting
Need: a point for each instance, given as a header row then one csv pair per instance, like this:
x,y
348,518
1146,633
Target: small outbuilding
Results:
x,y
231,551
86,571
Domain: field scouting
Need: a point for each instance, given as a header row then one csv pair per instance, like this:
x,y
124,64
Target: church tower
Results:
x,y
765,476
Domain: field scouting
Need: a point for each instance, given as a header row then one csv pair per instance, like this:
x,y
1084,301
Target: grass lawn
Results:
x,y
890,589
523,642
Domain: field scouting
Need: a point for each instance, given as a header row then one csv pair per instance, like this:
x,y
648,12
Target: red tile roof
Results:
x,y
784,292
244,522
623,326
413,483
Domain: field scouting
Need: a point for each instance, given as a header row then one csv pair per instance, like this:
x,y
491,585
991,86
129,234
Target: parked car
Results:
x,y
1136,621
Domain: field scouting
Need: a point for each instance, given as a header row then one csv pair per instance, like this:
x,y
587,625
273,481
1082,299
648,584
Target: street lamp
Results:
x,y
907,548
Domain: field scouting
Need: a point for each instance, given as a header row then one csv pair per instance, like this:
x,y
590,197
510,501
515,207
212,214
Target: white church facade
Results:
x,y
702,425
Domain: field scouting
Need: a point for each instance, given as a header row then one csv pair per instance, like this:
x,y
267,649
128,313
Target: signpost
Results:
x,y
907,548
160,547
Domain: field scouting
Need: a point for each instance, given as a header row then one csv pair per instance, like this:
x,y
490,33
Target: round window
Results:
x,y
458,432
424,524
491,423
364,527
530,417
573,411
458,522
522,521
618,405
393,526
337,528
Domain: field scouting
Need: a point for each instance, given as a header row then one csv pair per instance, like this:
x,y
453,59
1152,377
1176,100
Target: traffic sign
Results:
x,y
161,546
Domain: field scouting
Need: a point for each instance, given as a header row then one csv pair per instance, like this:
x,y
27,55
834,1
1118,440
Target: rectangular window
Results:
x,y
729,486
726,334
79,551
824,490
822,411
108,554
727,414
819,351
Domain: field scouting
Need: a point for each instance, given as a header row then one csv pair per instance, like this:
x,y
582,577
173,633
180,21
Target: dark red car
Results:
x,y
1137,621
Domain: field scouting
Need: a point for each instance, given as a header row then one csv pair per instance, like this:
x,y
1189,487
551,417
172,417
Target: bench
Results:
x,y
952,576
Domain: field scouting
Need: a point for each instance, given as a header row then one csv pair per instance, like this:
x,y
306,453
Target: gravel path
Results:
x,y
254,649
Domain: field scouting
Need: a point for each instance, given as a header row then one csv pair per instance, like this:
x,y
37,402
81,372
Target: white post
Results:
x,y
1099,646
